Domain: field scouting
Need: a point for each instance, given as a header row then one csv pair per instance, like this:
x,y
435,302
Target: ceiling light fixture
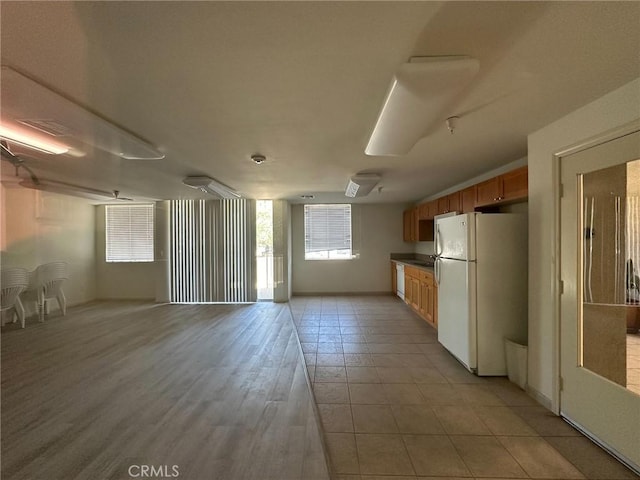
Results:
x,y
44,110
421,91
74,190
20,137
452,123
211,186
361,185
258,159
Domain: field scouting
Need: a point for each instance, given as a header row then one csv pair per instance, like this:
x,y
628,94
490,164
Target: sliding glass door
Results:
x,y
212,251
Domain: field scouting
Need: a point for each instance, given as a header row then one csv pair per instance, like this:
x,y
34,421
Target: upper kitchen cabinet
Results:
x,y
503,188
409,225
449,203
468,199
424,211
428,210
416,226
515,184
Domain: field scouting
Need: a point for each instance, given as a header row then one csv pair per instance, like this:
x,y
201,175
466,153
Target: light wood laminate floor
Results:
x,y
219,391
395,405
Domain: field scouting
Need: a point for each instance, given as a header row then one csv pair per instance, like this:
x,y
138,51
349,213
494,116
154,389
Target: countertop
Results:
x,y
420,264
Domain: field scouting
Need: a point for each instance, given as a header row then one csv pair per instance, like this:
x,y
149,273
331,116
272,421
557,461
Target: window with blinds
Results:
x,y
129,233
327,232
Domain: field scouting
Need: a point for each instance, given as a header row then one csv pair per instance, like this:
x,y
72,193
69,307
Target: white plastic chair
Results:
x,y
13,282
45,284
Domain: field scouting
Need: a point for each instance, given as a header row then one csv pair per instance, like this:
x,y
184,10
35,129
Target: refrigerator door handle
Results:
x,y
438,241
437,270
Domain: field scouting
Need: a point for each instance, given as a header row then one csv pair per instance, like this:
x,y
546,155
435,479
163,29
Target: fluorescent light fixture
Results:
x,y
420,95
211,186
30,141
44,110
71,189
361,185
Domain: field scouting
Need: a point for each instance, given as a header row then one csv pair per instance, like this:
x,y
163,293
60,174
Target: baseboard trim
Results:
x,y
341,294
539,397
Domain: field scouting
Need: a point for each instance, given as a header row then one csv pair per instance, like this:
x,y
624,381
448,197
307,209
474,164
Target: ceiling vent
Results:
x,y
421,93
211,186
361,185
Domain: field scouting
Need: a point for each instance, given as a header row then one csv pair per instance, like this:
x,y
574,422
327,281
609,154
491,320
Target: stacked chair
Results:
x,y
45,283
14,281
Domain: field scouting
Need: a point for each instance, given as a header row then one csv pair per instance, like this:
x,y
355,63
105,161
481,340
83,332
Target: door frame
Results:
x,y
565,151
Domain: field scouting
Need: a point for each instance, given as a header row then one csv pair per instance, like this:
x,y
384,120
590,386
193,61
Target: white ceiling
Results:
x,y
211,83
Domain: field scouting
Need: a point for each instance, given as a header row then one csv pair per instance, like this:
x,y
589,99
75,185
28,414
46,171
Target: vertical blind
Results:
x,y
632,247
327,231
212,251
129,233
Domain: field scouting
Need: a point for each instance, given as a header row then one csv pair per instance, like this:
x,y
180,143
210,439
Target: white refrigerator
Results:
x,y
481,272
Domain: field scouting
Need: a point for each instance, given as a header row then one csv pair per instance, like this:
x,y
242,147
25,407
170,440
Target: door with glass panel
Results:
x,y
600,303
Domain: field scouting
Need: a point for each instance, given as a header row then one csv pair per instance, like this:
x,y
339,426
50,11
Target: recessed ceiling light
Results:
x,y
258,159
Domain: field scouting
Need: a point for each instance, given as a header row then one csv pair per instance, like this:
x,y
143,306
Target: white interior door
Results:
x,y
597,240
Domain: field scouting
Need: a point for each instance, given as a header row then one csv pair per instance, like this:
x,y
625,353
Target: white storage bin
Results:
x,y
516,355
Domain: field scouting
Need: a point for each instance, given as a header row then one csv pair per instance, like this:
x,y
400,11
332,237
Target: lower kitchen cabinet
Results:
x,y
420,293
394,278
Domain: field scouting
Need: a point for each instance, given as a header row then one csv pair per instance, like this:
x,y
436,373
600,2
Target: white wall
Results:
x,y
377,231
609,112
135,280
41,227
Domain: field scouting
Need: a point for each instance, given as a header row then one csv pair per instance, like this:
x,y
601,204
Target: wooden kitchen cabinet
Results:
x,y
503,188
420,293
408,225
515,184
488,192
427,293
455,205
443,205
468,199
394,278
411,287
415,228
449,203
424,211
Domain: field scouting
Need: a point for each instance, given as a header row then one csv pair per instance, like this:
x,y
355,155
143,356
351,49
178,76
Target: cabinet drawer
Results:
x,y
411,271
426,276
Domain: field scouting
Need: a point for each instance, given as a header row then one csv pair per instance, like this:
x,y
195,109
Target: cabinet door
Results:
x,y
423,211
408,291
394,278
489,191
415,293
424,299
515,184
415,224
429,309
443,205
468,197
406,225
455,205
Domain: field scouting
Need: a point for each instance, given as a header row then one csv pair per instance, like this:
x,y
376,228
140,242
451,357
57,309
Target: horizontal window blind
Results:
x,y
327,232
129,233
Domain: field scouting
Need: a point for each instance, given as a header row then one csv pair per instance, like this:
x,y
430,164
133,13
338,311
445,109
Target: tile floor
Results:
x,y
633,362
395,405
